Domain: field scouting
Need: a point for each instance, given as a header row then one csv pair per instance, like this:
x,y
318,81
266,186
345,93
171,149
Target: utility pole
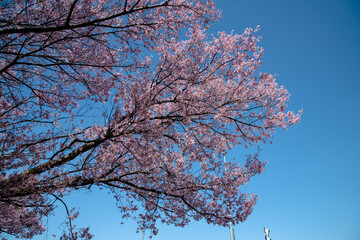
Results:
x,y
232,230
267,232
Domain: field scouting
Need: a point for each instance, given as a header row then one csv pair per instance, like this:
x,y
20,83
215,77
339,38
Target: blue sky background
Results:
x,y
311,186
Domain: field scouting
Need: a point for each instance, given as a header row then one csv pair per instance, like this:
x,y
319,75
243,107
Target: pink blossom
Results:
x,y
133,97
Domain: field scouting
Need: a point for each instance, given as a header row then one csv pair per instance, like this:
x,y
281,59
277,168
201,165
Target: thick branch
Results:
x,y
67,26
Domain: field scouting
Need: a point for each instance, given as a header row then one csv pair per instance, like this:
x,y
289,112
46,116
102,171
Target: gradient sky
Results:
x,y
311,186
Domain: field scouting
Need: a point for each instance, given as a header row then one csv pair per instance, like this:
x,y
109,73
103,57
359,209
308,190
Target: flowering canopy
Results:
x,y
133,96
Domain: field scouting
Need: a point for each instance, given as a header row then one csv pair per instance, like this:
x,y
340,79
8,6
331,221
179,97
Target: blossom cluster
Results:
x,y
133,96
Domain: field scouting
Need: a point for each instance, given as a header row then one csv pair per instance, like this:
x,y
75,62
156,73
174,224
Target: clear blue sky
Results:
x,y
311,186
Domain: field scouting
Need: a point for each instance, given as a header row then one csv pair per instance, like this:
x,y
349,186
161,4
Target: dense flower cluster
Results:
x,y
133,96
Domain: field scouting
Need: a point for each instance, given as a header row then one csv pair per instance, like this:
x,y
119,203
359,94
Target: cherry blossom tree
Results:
x,y
135,97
